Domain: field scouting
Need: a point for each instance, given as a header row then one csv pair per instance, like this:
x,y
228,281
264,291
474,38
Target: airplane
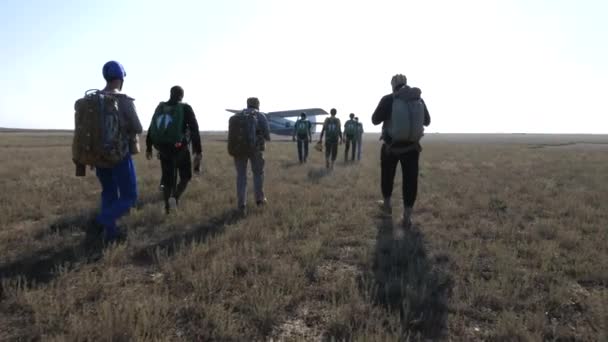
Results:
x,y
281,125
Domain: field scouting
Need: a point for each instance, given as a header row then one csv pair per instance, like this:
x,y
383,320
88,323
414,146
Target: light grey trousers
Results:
x,y
257,168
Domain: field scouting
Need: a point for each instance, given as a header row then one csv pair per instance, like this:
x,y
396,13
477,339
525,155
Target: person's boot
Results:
x,y
242,211
386,206
407,217
262,202
172,204
327,164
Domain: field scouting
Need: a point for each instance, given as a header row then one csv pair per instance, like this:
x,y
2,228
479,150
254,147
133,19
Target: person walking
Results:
x,y
403,114
332,130
248,132
172,130
302,130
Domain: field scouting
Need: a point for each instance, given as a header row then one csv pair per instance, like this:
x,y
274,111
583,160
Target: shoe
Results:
x,y
261,202
407,218
242,211
386,206
172,203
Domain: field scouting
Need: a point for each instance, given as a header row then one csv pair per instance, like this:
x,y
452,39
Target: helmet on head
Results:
x,y
352,115
333,111
113,70
303,115
253,102
398,81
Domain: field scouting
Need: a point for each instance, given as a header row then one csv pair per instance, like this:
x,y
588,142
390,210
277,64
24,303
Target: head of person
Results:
x,y
303,115
351,116
333,112
177,93
357,118
398,81
114,74
253,103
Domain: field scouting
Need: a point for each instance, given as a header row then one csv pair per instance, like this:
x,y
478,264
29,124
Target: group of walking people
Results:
x,y
174,130
352,136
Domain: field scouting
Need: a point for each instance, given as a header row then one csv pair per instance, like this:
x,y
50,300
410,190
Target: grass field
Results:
x,y
509,244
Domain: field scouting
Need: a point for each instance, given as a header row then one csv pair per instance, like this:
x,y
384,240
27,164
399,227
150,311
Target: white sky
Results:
x,y
483,66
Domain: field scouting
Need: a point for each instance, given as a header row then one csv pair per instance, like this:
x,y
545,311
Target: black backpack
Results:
x,y
242,134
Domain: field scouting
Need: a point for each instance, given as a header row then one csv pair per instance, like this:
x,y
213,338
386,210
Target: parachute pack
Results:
x,y
167,126
332,129
407,120
302,128
351,128
242,134
99,139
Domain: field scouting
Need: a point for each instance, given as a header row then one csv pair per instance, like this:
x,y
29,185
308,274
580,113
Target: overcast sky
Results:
x,y
483,66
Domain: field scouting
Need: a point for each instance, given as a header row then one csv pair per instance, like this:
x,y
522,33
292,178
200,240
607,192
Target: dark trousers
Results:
x,y
331,150
302,149
409,170
173,163
349,142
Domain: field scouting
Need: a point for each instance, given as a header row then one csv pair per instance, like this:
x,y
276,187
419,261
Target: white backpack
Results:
x,y
407,120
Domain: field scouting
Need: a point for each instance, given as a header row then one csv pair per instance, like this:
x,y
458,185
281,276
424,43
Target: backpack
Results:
x,y
351,128
407,120
167,126
302,127
242,135
99,139
332,129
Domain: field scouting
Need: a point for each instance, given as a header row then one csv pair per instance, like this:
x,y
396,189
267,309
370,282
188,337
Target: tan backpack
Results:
x,y
99,139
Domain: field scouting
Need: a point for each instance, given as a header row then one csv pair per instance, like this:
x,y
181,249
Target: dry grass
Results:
x,y
509,244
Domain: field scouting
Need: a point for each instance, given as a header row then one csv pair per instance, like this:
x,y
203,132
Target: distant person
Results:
x,y
403,114
248,132
172,129
332,129
351,128
359,138
111,154
303,131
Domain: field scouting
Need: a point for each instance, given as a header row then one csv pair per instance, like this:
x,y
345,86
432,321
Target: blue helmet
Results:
x,y
113,70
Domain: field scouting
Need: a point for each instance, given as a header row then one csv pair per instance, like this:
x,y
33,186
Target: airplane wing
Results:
x,y
296,112
289,113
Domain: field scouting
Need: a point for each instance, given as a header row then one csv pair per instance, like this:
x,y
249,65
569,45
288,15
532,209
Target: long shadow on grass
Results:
x,y
316,174
43,266
406,282
199,233
81,220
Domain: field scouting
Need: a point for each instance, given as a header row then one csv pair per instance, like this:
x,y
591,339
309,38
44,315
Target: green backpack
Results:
x,y
351,128
302,128
167,126
332,129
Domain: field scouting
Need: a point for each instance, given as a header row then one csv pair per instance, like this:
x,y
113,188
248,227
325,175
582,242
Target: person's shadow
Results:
x,y
406,281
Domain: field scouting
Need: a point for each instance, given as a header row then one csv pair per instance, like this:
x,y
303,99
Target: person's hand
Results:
x,y
198,158
149,155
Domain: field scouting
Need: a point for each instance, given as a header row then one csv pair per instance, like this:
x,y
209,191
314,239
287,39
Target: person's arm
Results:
x,y
427,116
133,123
309,131
264,127
323,130
340,130
383,110
192,124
